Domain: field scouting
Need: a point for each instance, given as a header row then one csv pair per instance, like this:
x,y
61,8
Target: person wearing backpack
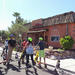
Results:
x,y
41,44
29,52
11,46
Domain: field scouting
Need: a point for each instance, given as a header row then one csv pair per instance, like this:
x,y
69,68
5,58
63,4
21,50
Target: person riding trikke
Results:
x,y
24,43
23,51
41,44
11,45
6,45
29,52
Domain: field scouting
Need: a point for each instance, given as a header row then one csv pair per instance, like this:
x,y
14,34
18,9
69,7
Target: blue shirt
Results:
x,y
29,49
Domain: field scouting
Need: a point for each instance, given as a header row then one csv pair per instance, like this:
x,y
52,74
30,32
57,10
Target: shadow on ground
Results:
x,y
1,72
30,72
12,67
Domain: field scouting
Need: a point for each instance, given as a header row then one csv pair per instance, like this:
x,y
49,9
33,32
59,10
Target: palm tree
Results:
x,y
16,14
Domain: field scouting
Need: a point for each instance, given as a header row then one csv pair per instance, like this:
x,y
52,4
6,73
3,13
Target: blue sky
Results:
x,y
32,9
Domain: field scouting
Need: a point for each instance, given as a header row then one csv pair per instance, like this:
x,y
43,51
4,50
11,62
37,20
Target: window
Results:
x,y
55,38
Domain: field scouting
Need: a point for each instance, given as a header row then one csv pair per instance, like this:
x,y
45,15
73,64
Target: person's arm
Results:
x,y
24,48
34,48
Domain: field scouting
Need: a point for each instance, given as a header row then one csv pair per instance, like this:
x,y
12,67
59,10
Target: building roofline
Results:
x,y
68,17
63,14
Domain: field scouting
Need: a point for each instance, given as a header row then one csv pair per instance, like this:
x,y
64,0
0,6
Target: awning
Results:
x,y
38,31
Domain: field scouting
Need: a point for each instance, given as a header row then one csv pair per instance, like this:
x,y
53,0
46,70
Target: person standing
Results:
x,y
6,45
24,51
29,52
24,43
41,44
11,45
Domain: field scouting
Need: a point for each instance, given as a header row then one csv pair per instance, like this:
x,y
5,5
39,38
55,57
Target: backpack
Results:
x,y
12,43
29,49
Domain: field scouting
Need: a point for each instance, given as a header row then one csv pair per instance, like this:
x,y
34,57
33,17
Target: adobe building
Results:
x,y
53,28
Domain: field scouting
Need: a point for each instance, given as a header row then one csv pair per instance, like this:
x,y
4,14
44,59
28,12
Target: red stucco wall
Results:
x,y
60,30
55,30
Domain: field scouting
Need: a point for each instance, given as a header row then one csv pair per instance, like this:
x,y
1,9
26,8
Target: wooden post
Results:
x,y
44,35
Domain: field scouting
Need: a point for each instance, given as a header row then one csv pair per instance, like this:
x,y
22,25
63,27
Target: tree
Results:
x,y
67,42
3,35
16,14
18,25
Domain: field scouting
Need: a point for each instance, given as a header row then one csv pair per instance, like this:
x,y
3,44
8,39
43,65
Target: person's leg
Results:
x,y
10,49
39,58
44,60
27,59
23,59
40,55
24,53
32,59
6,48
43,55
9,54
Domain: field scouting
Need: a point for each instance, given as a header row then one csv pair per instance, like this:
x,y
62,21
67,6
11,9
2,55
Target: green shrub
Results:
x,y
67,42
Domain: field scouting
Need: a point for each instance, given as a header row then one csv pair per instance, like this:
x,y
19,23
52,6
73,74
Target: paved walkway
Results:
x,y
67,65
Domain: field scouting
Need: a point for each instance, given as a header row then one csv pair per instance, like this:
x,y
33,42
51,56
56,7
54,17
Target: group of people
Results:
x,y
28,50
